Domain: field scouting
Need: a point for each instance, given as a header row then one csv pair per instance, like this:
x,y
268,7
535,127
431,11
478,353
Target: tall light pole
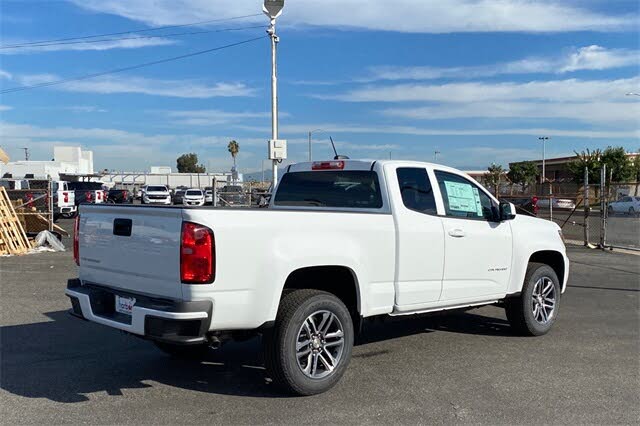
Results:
x,y
544,140
273,9
435,156
311,133
26,153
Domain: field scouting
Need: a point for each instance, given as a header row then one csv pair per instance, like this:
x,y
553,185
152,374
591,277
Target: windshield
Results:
x,y
350,189
156,189
194,192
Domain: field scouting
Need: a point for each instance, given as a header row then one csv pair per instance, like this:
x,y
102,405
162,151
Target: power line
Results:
x,y
210,21
131,38
129,68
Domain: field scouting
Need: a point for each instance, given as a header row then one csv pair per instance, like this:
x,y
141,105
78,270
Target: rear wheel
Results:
x,y
195,352
534,311
309,348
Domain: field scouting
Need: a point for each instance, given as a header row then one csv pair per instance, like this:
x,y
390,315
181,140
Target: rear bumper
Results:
x,y
66,209
154,319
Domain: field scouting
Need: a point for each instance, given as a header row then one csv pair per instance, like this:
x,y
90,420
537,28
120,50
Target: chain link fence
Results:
x,y
33,206
604,214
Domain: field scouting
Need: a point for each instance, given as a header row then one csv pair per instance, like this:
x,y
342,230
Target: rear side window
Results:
x,y
416,190
194,193
345,188
464,199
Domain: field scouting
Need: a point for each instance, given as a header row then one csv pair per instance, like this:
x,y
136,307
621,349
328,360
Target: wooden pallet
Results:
x,y
13,239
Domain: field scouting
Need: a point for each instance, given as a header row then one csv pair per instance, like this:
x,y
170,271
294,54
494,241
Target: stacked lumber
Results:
x,y
13,239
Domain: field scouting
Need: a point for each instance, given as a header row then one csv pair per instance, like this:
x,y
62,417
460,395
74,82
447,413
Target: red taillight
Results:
x,y
76,240
88,196
124,194
327,165
65,196
197,254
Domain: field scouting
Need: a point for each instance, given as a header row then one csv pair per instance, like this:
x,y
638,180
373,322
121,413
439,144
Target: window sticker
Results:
x,y
463,197
476,194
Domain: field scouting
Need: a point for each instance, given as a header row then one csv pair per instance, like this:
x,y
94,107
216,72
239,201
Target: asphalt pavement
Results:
x,y
456,368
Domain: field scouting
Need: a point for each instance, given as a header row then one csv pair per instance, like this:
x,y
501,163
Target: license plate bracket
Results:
x,y
124,305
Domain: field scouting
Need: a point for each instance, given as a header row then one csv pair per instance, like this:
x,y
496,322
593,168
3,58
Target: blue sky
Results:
x,y
478,81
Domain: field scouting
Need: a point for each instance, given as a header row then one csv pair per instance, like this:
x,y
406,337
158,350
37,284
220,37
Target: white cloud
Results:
x,y
5,108
555,90
214,116
425,131
147,86
593,112
84,108
598,58
585,58
106,45
5,75
414,16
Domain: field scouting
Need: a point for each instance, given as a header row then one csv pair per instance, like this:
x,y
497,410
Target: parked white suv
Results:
x,y
156,194
193,197
343,240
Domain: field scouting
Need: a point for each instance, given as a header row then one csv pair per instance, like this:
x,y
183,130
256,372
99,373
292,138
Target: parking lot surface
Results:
x,y
456,368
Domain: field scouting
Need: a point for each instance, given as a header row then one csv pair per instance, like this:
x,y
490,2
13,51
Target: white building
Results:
x,y
69,160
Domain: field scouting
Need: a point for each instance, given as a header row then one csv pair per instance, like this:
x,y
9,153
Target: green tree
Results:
x,y
493,177
619,164
636,169
523,173
188,163
588,159
233,148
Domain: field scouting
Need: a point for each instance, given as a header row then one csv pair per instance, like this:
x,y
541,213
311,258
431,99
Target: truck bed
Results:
x,y
255,250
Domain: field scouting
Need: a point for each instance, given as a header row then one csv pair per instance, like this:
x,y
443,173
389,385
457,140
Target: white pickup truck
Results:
x,y
341,241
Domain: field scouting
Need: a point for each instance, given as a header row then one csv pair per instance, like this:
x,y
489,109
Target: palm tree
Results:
x,y
234,148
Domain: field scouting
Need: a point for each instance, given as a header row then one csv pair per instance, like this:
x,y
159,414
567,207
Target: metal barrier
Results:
x,y
604,215
34,207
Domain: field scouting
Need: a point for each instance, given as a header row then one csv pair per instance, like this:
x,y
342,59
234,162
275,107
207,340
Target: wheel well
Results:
x,y
338,280
552,258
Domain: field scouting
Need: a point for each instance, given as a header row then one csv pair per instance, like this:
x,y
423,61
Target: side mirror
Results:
x,y
507,210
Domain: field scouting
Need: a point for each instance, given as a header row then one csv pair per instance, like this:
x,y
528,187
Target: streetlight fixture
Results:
x,y
435,156
544,140
632,94
277,148
311,133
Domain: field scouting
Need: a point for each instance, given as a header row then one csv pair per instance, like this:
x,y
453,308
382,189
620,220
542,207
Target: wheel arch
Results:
x,y
554,259
339,280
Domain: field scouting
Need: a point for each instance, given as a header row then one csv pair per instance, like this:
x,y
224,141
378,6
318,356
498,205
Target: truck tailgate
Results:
x,y
135,249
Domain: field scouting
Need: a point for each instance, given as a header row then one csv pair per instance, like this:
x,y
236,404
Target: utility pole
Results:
x,y
544,139
26,153
435,156
310,141
273,9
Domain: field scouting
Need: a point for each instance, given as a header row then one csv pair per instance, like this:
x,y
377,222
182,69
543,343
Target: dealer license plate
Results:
x,y
124,305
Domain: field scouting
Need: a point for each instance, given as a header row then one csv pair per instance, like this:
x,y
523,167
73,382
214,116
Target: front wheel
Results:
x,y
534,311
309,348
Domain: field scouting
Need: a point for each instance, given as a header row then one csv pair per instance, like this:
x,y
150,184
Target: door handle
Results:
x,y
457,233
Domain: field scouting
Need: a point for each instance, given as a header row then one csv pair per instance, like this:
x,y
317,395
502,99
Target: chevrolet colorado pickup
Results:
x,y
341,241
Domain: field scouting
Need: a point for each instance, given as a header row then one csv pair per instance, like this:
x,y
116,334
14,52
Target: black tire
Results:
x,y
521,310
193,352
70,215
280,342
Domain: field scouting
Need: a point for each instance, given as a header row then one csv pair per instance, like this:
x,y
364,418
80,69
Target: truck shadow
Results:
x,y
65,359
